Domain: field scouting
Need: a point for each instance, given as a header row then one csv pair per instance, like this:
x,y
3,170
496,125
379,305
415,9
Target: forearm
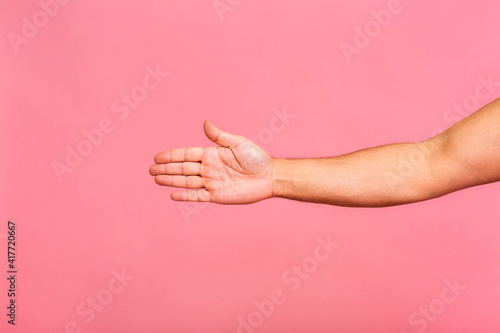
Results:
x,y
386,175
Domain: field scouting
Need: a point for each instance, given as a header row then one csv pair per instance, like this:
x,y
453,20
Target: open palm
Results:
x,y
236,172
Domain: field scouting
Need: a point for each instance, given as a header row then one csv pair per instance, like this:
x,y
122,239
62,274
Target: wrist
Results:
x,y
278,177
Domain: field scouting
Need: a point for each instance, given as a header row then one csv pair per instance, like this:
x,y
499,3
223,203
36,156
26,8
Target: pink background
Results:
x,y
201,271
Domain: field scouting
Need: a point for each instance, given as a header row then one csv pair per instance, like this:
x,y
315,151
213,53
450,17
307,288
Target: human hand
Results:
x,y
236,172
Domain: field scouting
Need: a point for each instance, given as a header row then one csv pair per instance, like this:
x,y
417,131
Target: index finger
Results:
x,y
189,154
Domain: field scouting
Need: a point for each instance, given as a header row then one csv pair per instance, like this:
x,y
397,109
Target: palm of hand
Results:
x,y
236,172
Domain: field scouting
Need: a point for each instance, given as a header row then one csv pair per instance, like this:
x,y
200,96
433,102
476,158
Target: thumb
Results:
x,y
220,137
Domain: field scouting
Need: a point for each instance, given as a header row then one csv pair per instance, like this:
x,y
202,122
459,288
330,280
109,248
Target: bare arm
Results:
x,y
238,171
465,155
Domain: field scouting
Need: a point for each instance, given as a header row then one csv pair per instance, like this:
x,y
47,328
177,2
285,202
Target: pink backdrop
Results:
x,y
91,91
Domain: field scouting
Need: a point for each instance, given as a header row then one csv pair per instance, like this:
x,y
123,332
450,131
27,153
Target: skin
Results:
x,y
238,171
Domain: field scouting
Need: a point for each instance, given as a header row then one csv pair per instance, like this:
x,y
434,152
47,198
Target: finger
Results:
x,y
184,168
220,137
189,154
194,195
180,181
